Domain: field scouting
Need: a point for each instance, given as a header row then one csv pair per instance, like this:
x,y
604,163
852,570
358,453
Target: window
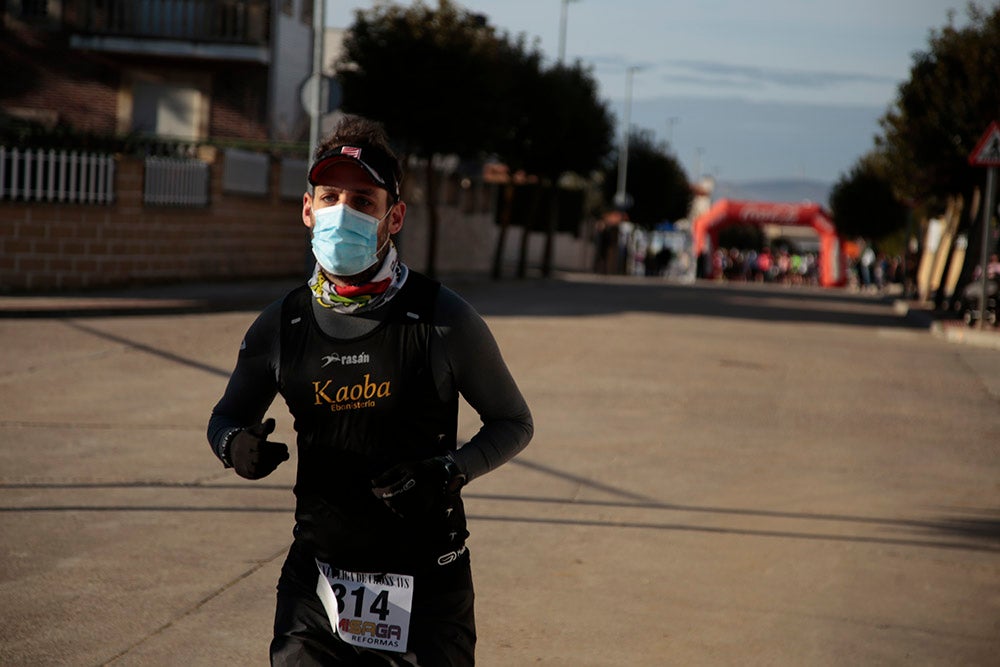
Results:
x,y
34,10
167,109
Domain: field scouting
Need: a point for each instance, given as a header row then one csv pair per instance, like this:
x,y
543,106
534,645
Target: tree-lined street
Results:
x,y
720,475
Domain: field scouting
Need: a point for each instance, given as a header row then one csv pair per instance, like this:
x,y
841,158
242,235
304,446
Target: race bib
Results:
x,y
365,609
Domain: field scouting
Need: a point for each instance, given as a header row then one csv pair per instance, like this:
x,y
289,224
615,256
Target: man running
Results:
x,y
370,358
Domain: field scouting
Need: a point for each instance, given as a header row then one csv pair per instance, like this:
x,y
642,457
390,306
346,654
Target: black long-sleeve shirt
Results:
x,y
464,359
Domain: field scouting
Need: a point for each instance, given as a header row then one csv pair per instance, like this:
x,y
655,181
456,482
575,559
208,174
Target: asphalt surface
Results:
x,y
721,474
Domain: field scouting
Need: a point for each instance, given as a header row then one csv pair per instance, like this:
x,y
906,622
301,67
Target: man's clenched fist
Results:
x,y
254,456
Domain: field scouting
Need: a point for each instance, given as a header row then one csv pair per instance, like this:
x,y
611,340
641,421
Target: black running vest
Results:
x,y
361,406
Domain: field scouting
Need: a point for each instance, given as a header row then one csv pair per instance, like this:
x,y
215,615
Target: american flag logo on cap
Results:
x,y
351,151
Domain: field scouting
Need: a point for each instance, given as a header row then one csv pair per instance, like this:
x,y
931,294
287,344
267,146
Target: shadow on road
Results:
x,y
149,349
966,529
577,297
599,296
572,296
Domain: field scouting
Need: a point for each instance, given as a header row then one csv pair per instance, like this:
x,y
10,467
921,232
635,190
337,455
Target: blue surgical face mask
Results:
x,y
345,241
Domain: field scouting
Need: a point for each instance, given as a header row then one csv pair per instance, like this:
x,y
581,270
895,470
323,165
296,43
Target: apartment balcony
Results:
x,y
208,29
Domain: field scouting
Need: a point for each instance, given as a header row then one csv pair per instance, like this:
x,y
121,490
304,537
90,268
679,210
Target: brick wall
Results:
x,y
69,247
239,104
58,246
467,234
40,73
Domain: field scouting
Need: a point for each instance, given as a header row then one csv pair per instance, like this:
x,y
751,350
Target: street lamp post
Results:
x,y
316,118
621,198
699,151
673,120
562,30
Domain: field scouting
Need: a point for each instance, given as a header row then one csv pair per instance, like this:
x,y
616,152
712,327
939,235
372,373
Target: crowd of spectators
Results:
x,y
766,266
870,271
874,271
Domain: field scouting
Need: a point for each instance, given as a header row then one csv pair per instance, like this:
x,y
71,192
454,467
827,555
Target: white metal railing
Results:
x,y
246,172
292,178
56,176
174,181
237,21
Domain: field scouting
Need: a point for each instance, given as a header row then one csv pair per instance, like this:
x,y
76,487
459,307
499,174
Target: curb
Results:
x,y
967,336
957,332
168,300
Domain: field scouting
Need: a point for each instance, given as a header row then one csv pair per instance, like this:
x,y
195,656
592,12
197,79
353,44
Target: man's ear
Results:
x,y
396,217
307,218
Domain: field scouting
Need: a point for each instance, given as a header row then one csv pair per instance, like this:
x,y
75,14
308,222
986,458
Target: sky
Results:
x,y
740,90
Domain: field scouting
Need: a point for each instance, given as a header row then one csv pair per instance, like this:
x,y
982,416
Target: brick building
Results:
x,y
191,69
190,72
215,84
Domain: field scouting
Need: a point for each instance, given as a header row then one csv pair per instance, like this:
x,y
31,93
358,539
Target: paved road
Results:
x,y
720,475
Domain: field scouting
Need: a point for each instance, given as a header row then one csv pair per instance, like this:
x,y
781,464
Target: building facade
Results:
x,y
186,69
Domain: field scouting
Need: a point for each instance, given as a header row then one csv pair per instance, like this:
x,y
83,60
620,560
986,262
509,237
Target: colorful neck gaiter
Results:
x,y
349,299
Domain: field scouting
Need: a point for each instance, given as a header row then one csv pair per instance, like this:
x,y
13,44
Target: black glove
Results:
x,y
254,456
416,488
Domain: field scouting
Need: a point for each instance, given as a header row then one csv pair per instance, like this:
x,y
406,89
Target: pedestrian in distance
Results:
x,y
370,358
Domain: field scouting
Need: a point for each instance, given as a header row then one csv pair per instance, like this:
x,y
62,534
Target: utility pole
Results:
x,y
316,104
621,197
562,30
699,151
673,120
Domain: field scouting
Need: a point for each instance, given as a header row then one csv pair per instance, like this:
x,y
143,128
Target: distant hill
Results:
x,y
783,190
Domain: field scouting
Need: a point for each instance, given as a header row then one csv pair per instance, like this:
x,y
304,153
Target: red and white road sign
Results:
x,y
987,151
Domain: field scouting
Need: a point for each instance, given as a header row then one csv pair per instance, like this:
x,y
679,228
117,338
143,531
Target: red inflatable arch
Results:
x,y
726,212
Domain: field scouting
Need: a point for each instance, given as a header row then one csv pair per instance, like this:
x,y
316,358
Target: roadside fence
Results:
x,y
56,176
172,181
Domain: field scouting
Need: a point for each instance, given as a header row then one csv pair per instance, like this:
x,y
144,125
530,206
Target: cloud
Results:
x,y
719,74
715,82
611,62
